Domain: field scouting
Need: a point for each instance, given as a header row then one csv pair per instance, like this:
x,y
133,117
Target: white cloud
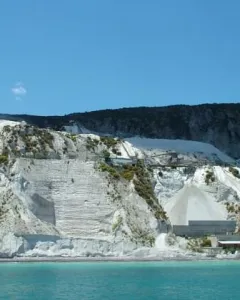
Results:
x,y
19,90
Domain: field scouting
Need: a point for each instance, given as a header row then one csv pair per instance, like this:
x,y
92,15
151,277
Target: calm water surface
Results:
x,y
115,281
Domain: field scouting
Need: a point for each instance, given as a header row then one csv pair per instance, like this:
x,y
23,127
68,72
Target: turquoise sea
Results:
x,y
120,280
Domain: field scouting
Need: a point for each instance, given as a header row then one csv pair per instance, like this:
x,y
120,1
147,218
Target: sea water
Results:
x,y
120,280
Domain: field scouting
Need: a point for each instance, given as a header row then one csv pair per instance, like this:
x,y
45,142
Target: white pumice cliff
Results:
x,y
60,196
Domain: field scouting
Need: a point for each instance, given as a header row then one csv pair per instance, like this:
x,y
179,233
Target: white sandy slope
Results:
x,y
192,203
180,146
189,197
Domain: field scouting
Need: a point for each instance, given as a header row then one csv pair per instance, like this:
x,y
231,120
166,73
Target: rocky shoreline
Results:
x,y
112,259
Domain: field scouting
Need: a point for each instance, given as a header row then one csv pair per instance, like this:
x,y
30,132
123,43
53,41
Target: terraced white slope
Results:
x,y
80,198
77,192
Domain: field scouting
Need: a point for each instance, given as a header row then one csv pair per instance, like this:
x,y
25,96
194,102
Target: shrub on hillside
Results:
x,y
234,171
91,144
206,242
109,141
3,159
106,155
209,177
106,168
142,183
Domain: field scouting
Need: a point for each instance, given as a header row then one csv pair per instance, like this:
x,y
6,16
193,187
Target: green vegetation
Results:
x,y
106,168
205,242
7,128
106,155
72,137
145,238
116,151
37,137
143,184
3,159
4,156
91,144
44,137
127,172
159,213
196,244
233,208
234,171
134,120
141,181
144,188
150,240
109,141
37,141
209,178
231,250
230,207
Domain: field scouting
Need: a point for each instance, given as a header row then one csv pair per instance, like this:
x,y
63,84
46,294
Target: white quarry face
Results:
x,y
54,199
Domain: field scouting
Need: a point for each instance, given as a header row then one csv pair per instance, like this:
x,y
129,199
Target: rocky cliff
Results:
x,y
56,186
64,194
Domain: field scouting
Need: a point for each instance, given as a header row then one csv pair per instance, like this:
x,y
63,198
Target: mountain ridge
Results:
x,y
217,124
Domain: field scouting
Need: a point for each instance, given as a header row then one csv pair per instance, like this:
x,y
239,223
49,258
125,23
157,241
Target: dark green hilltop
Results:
x,y
218,124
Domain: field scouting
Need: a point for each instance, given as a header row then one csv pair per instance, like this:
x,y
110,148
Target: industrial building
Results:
x,y
203,228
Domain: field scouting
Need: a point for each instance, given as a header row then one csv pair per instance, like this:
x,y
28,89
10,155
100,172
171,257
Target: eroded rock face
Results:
x,y
10,245
59,197
54,197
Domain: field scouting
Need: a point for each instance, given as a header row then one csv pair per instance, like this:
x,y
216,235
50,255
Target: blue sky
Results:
x,y
65,56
